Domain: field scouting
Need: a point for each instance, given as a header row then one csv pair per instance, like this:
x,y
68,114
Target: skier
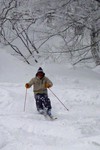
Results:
x,y
40,84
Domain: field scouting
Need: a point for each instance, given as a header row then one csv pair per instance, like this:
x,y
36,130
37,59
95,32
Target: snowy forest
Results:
x,y
57,30
61,37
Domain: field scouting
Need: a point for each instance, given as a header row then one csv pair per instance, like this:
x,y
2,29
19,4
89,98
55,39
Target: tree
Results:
x,y
76,22
35,23
14,27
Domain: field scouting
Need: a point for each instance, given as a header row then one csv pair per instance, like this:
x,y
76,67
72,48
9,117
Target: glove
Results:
x,y
27,85
47,85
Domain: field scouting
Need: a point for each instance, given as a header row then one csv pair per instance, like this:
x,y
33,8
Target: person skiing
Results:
x,y
40,85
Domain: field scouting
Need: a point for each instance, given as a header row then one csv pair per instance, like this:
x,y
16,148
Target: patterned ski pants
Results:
x,y
42,102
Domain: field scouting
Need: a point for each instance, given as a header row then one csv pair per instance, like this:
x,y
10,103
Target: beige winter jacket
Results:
x,y
39,84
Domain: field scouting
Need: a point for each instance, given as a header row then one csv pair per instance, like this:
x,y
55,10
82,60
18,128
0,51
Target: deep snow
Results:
x,y
76,129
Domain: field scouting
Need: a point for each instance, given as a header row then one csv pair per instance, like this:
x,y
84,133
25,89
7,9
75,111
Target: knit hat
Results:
x,y
40,70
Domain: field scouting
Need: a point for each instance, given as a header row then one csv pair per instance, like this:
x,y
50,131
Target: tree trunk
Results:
x,y
95,45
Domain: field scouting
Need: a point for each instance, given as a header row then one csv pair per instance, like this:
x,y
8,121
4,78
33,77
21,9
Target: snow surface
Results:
x,y
76,129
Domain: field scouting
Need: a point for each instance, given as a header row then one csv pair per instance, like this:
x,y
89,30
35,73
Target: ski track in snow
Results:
x,y
77,129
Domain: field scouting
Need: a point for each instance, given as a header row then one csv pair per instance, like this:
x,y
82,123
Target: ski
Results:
x,y
50,117
53,118
47,116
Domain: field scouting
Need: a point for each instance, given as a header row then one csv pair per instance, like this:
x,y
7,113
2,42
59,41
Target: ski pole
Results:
x,y
25,99
58,99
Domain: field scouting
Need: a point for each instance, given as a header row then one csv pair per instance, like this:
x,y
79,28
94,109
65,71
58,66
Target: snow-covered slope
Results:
x,y
13,70
76,129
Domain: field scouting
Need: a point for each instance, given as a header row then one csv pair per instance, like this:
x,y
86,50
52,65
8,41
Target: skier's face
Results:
x,y
40,75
